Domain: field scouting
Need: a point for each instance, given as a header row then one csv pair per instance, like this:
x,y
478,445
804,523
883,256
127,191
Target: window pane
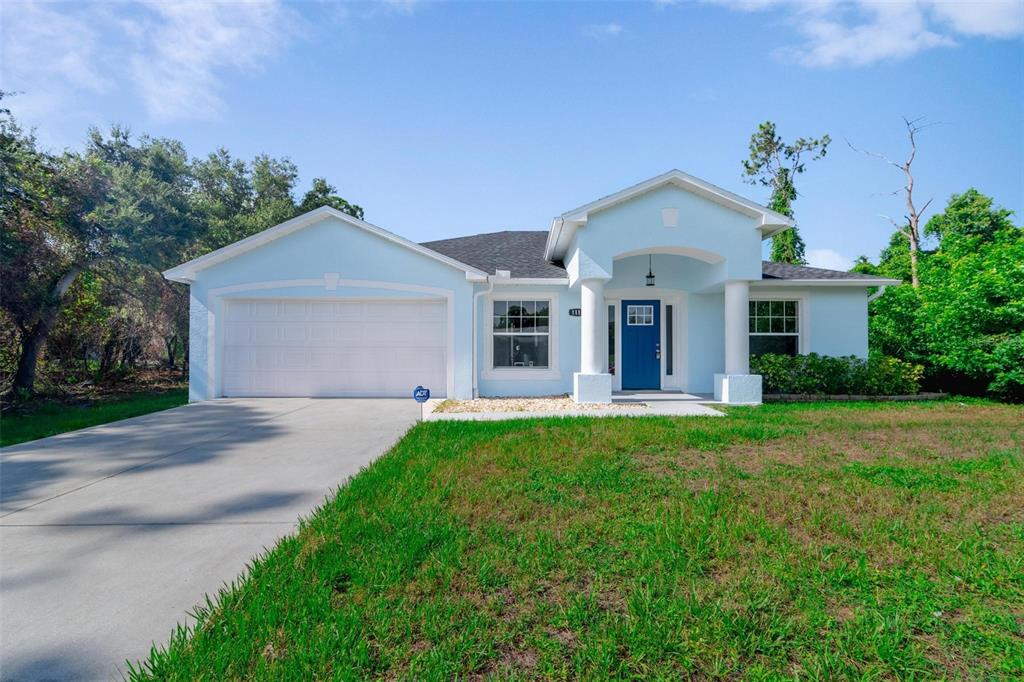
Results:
x,y
791,308
527,324
500,323
502,351
762,308
780,345
542,307
763,325
668,339
791,325
777,325
500,307
752,308
777,308
611,339
515,308
528,307
529,351
752,324
542,324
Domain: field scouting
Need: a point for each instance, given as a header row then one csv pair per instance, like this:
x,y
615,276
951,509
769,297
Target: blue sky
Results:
x,y
443,119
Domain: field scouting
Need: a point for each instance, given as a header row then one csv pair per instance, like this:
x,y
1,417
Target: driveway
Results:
x,y
110,535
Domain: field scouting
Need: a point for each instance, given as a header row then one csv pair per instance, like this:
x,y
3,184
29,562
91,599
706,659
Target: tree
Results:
x,y
323,194
965,322
910,226
774,164
969,215
49,237
117,206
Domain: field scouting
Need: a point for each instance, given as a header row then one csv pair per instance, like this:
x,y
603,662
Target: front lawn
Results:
x,y
42,419
853,541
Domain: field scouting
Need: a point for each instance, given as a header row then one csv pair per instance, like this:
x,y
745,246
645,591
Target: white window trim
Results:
x,y
551,372
803,321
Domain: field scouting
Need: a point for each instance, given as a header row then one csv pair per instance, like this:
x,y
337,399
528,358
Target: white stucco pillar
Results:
x,y
737,330
594,327
593,384
737,384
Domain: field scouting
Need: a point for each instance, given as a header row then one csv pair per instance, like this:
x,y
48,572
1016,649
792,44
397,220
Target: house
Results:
x,y
660,286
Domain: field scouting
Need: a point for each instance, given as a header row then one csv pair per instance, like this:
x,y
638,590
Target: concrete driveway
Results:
x,y
110,535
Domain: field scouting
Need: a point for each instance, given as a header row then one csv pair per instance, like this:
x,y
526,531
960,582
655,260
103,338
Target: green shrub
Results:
x,y
1008,369
827,375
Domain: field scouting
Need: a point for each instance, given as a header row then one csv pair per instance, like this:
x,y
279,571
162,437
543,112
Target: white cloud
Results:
x,y
600,31
38,44
173,53
988,19
190,43
829,259
868,31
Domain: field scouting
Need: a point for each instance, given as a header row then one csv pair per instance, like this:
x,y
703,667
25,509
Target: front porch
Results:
x,y
664,324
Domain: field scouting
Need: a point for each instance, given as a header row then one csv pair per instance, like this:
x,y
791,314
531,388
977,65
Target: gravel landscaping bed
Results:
x,y
549,404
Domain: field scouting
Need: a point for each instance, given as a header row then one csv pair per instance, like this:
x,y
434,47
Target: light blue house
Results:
x,y
660,286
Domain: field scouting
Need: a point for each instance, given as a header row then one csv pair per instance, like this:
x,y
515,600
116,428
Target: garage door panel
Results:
x,y
333,348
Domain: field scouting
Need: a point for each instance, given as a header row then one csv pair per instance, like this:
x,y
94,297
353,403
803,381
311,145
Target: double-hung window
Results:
x,y
521,333
774,327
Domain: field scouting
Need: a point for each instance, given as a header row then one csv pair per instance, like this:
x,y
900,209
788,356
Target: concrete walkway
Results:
x,y
658,404
110,535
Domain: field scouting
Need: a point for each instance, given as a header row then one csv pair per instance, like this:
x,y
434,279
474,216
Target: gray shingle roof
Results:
x,y
771,270
522,252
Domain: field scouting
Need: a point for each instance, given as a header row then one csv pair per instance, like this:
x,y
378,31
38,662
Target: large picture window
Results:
x,y
774,327
521,333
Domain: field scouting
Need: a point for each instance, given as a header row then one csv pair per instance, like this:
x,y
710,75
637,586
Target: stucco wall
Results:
x,y
298,263
568,343
834,320
703,224
838,321
706,329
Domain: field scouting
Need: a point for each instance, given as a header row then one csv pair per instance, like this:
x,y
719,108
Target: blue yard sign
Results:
x,y
421,395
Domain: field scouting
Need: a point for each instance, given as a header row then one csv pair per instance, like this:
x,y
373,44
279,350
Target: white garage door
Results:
x,y
290,347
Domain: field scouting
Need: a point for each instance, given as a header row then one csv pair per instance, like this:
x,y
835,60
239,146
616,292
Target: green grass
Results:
x,y
858,541
50,418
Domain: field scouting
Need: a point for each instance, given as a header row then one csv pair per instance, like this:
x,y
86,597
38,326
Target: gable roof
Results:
x,y
186,272
562,227
519,251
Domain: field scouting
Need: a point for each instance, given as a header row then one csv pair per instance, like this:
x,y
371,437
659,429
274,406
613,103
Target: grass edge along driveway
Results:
x,y
51,418
856,540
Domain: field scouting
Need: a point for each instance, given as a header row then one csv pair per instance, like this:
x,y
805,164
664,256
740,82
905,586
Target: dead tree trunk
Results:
x,y
911,227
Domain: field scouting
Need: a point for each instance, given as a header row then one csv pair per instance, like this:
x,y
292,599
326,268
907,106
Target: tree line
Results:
x,y
85,236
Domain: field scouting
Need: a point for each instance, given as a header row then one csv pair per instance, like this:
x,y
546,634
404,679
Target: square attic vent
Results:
x,y
670,217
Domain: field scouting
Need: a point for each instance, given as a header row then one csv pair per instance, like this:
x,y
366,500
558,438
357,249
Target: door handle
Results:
x,y
657,351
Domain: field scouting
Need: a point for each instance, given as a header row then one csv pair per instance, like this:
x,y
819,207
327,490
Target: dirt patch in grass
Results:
x,y
921,436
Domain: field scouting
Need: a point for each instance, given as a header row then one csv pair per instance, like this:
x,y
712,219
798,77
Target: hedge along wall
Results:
x,y
824,375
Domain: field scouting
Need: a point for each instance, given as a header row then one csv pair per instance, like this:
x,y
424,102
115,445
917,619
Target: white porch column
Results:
x,y
593,384
737,339
594,327
737,384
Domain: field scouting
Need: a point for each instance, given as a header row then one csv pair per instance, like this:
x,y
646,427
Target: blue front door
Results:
x,y
641,345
